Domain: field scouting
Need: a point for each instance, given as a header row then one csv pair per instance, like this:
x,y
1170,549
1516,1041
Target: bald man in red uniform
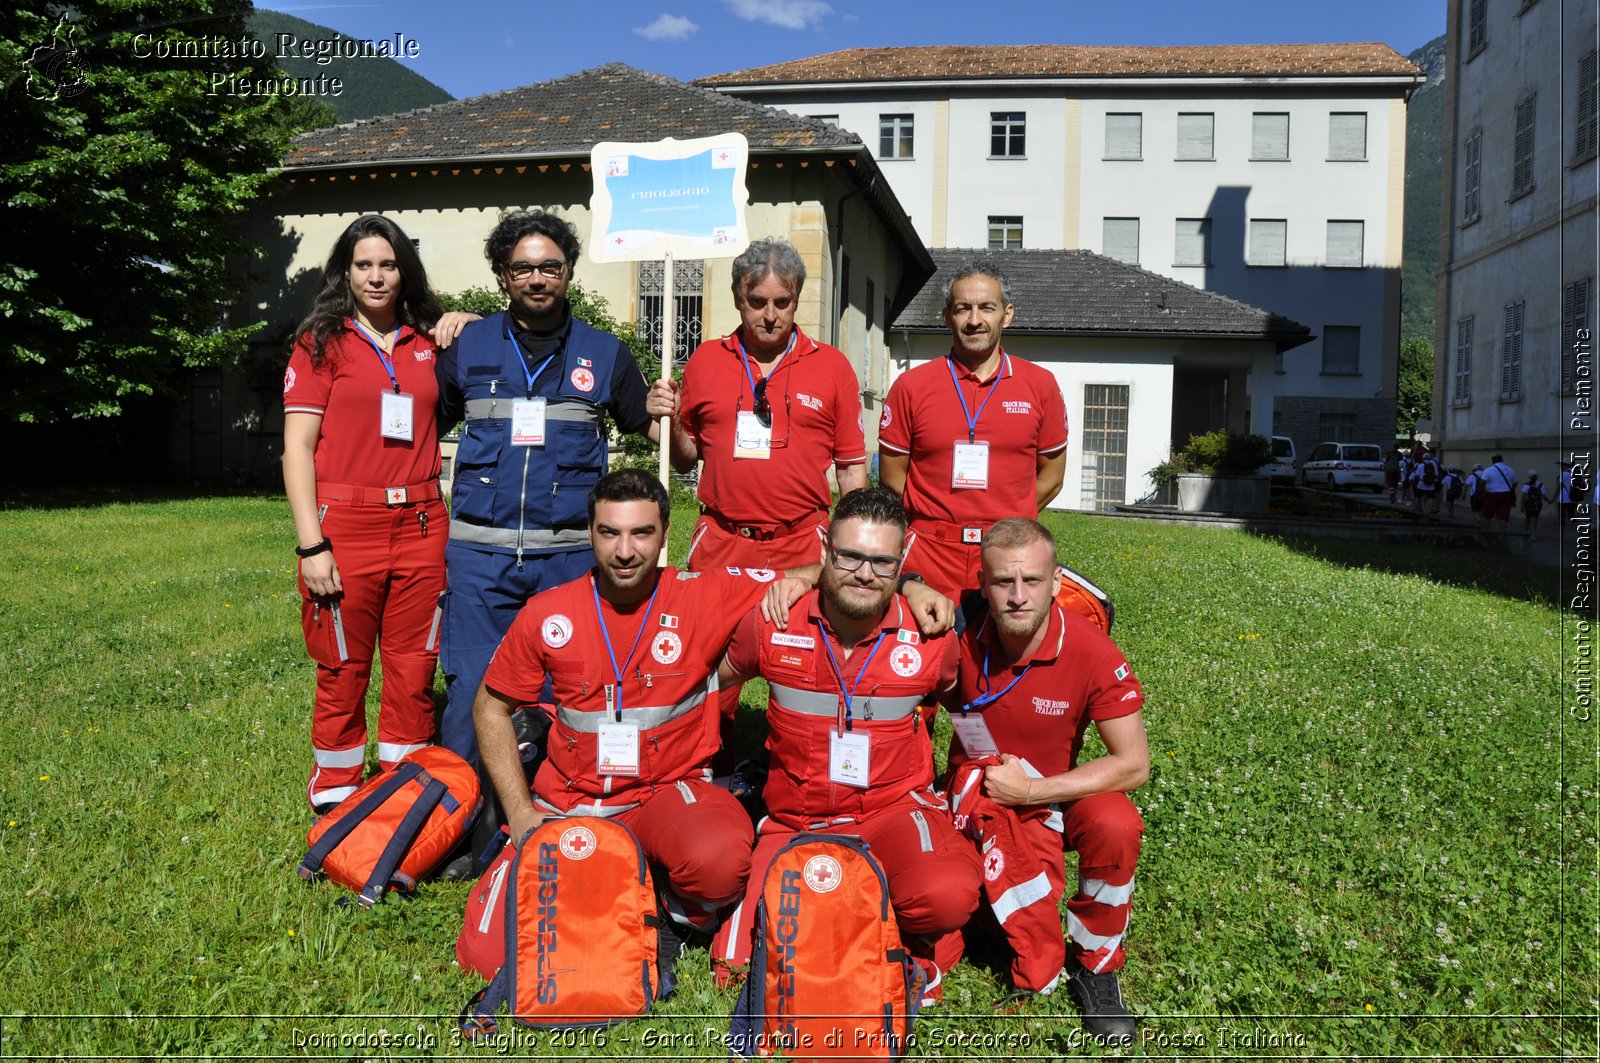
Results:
x,y
971,437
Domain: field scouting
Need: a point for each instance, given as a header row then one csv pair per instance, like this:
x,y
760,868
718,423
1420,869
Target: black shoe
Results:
x,y
671,940
323,808
1105,1014
458,869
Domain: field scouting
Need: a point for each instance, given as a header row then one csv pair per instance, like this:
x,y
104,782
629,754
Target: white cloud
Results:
x,y
789,14
668,28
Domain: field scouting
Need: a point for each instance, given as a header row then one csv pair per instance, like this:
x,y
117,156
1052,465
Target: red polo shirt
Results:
x,y
1076,675
675,646
806,698
816,422
345,392
1023,417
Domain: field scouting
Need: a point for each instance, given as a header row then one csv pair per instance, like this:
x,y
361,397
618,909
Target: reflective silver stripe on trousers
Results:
x,y
554,410
594,808
647,717
529,539
923,835
819,703
1092,942
1019,896
1112,895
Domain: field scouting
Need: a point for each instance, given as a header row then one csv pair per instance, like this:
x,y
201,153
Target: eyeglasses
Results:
x,y
763,411
521,271
763,408
850,561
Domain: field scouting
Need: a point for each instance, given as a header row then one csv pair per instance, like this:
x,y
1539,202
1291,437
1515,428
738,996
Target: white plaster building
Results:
x,y
1273,174
1514,364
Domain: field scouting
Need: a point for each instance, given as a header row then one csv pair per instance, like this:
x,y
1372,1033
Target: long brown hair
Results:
x,y
335,304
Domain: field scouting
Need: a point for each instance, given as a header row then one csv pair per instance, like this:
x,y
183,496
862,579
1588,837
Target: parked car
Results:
x,y
1342,465
1281,467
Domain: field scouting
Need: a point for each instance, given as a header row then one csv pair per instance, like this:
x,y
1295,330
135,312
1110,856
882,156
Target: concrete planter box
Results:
x,y
1198,493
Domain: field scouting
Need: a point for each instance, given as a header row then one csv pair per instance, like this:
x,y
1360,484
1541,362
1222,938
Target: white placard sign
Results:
x,y
669,199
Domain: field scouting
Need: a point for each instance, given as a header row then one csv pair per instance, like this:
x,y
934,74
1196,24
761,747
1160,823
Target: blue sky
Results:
x,y
470,49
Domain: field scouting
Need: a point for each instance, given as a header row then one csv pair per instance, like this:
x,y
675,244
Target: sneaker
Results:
x,y
671,940
1105,1014
933,988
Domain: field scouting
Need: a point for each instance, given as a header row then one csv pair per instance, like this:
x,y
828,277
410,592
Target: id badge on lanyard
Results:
x,y
394,415
527,422
974,734
969,467
617,748
849,758
751,438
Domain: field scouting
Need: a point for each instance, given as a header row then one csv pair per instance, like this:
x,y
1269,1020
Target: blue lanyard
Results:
x,y
648,613
745,358
985,699
377,348
972,418
516,349
848,693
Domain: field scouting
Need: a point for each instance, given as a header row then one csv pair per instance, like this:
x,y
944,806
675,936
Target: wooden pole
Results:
x,y
669,329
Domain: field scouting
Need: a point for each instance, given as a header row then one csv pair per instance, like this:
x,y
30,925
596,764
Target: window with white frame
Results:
x,y
1120,239
894,136
1197,136
1346,241
1192,242
1008,134
1005,232
1574,331
1269,136
1511,353
1472,177
1268,242
1105,444
1462,395
1477,26
1125,136
1522,149
1347,136
1586,127
1341,350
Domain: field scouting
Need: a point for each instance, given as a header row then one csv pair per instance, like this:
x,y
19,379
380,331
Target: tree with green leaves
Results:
x,y
136,138
1414,389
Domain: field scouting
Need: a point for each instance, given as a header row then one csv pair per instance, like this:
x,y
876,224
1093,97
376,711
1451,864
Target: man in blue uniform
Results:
x,y
533,387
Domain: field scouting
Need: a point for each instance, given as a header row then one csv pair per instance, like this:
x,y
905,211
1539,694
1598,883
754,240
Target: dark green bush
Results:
x,y
1215,453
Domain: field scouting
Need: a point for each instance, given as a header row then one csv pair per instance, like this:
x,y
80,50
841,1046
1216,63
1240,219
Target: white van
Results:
x,y
1281,467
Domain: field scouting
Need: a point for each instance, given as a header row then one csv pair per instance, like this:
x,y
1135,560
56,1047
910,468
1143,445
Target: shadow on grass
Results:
x,y
1471,567
33,496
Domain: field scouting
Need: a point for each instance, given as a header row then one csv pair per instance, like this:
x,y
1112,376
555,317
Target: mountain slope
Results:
x,y
371,86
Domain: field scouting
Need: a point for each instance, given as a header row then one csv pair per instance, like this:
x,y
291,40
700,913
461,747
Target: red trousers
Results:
x,y
697,838
712,546
391,564
1024,878
942,559
934,875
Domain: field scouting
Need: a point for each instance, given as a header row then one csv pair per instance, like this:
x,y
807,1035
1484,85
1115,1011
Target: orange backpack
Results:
x,y
398,827
581,928
829,976
1079,595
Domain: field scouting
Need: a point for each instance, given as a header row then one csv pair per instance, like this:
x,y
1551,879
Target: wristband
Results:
x,y
312,551
909,577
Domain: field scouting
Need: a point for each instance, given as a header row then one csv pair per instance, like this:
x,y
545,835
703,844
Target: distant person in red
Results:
x,y
768,410
361,470
971,437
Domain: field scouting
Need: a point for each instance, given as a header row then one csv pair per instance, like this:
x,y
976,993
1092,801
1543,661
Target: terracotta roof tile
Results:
x,y
953,61
567,116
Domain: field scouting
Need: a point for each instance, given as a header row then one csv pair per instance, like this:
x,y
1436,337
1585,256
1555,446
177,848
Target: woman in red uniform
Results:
x,y
361,469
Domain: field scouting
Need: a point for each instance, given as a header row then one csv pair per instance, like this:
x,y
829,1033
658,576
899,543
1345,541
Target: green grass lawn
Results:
x,y
1370,825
